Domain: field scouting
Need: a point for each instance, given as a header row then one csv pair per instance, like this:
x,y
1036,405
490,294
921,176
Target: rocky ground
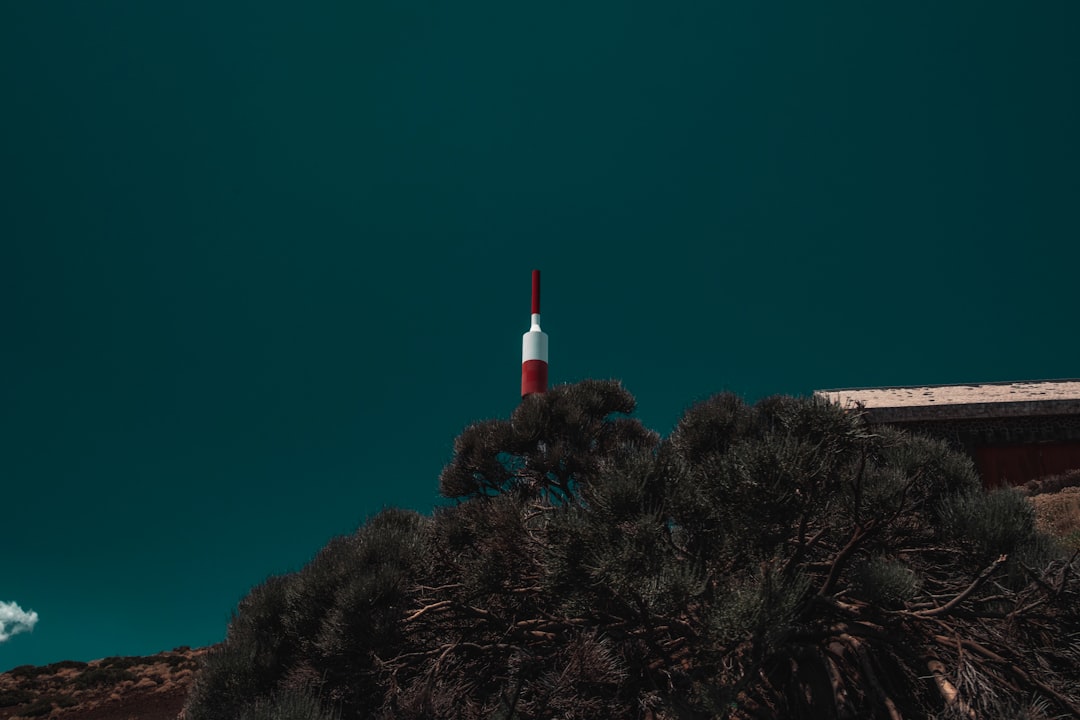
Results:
x,y
115,688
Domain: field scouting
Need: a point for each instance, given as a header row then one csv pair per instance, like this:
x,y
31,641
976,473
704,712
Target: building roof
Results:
x,y
954,402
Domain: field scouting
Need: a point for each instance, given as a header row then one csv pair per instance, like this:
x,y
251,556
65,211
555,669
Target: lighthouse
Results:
x,y
534,348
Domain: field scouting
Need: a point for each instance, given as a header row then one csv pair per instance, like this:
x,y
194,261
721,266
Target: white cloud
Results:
x,y
14,620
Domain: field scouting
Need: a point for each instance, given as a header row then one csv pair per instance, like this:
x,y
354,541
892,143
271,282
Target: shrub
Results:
x,y
28,671
121,662
66,664
885,581
289,705
1072,541
992,523
776,560
335,614
15,697
180,661
42,706
65,701
232,678
45,705
98,676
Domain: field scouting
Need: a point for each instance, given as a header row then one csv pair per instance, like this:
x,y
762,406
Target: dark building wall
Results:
x,y
1016,464
1010,450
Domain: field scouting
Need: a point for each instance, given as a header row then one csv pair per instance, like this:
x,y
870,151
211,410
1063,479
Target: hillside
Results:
x,y
115,688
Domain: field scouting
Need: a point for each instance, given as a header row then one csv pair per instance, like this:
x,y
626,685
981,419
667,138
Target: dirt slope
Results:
x,y
115,688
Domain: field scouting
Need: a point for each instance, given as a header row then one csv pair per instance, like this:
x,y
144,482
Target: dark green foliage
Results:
x,y
28,671
98,676
1071,541
14,697
44,705
762,605
230,680
884,581
551,443
289,705
776,560
179,661
65,701
708,428
66,665
120,662
990,523
321,626
41,706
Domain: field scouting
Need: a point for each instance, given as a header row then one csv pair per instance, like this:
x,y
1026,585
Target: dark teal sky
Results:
x,y
261,262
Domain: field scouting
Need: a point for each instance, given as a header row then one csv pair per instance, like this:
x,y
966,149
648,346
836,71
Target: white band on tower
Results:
x,y
534,348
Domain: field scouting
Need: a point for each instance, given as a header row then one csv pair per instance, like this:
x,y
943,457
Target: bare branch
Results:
x,y
933,612
434,607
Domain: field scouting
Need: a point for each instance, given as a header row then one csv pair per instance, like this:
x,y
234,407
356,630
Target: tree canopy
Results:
x,y
779,560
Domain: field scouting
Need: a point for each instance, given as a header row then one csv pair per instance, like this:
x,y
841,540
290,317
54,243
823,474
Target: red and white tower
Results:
x,y
534,348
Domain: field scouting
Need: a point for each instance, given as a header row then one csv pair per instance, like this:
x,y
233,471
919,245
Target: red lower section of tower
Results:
x,y
534,377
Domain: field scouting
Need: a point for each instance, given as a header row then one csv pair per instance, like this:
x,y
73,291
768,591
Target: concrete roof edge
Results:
x,y
946,385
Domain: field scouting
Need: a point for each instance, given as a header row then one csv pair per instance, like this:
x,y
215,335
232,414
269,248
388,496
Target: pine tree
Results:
x,y
780,560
